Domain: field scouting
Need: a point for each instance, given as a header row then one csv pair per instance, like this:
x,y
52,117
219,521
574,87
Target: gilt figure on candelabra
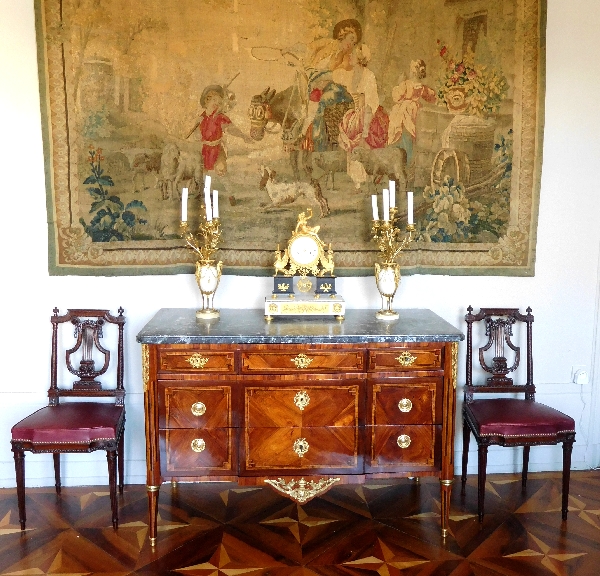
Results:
x,y
391,240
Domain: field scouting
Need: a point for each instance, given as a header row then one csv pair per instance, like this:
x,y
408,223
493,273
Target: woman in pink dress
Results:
x,y
366,124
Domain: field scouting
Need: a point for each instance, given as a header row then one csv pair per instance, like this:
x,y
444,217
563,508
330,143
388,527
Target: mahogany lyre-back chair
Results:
x,y
78,426
508,421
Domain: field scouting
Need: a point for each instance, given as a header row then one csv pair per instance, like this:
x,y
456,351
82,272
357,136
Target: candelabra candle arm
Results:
x,y
387,237
206,240
193,246
405,242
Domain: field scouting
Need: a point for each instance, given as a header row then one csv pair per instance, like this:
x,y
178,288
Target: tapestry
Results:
x,y
292,106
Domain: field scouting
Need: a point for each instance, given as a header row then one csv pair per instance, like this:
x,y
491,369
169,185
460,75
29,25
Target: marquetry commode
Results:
x,y
299,403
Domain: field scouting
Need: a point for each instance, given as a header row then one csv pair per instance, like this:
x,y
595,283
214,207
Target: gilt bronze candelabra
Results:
x,y
205,242
390,241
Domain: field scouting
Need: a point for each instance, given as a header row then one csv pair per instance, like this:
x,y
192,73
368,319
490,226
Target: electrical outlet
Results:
x,y
579,375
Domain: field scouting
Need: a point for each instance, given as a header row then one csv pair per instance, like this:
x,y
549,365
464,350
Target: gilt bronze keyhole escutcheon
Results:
x,y
302,399
197,360
302,361
300,447
406,358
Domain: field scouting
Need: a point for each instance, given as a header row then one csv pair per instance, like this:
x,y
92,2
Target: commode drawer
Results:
x,y
405,358
193,360
270,449
196,407
301,406
302,361
410,403
398,447
198,452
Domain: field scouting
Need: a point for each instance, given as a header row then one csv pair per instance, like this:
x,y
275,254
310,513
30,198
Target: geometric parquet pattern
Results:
x,y
384,529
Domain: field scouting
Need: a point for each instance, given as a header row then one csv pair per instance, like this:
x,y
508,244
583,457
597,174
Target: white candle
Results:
x,y
409,199
184,202
207,205
215,210
386,204
375,209
207,182
392,185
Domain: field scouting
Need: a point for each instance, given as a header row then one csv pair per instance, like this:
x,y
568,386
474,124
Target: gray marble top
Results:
x,y
180,326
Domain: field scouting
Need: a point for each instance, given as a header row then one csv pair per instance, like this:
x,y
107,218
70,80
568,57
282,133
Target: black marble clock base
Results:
x,y
319,285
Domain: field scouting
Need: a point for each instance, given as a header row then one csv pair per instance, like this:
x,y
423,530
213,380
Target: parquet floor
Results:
x,y
385,529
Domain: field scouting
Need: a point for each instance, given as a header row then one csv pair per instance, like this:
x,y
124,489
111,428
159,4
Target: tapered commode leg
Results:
x,y
153,512
445,493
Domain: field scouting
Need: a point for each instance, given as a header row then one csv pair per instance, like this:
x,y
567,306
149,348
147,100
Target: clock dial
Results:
x,y
304,250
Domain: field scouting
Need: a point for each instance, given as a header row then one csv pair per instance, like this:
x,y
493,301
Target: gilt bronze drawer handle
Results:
x,y
197,360
198,444
302,361
405,405
403,440
300,447
406,358
301,399
198,408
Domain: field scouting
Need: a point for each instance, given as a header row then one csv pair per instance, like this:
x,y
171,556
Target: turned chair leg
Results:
x,y
465,455
481,473
567,451
120,461
19,456
56,456
111,457
525,466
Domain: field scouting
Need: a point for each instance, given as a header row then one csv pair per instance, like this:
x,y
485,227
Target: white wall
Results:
x,y
563,293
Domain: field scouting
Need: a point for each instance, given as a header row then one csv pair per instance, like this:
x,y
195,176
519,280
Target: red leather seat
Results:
x,y
76,426
508,421
514,418
72,423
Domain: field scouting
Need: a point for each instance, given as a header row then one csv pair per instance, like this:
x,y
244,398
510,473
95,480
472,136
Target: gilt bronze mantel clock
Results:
x,y
304,283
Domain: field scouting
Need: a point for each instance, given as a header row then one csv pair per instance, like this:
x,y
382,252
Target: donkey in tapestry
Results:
x,y
289,109
286,109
